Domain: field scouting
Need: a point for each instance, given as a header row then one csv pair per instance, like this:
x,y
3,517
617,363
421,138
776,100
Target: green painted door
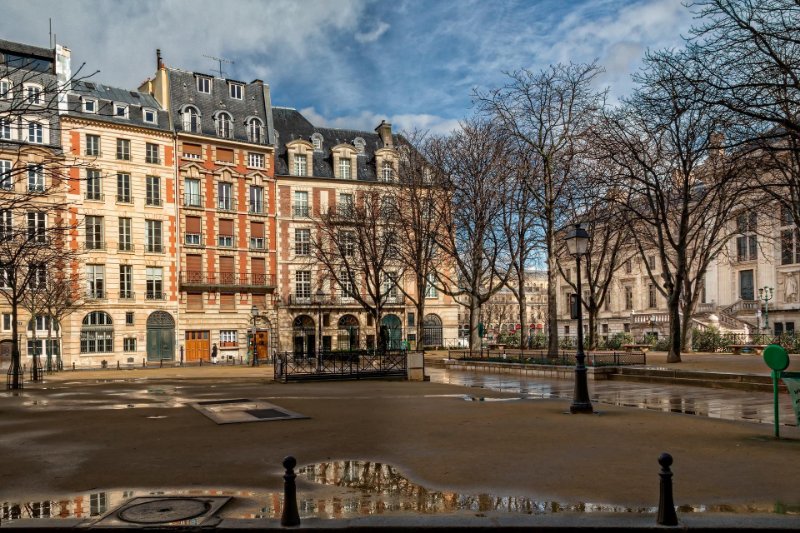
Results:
x,y
160,336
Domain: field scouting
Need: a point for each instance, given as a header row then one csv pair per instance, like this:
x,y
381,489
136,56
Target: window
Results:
x,y
94,189
5,129
153,236
302,285
651,296
227,301
151,154
94,233
225,238
194,301
129,344
225,196
223,125
302,241
255,131
256,199
301,203
790,239
228,338
344,168
388,206
153,190
345,207
257,235
89,105
120,110
300,165
430,288
191,120
747,243
37,276
316,140
124,188
236,90
5,89
125,242
125,282
154,283
390,287
193,230
35,133
628,298
130,318
6,180
95,281
6,321
124,149
347,283
37,227
33,94
387,172
628,266
149,116
255,160
93,145
651,262
191,195
410,319
347,240
6,225
203,84
97,333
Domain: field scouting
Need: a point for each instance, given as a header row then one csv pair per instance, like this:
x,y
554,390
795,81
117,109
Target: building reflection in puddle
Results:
x,y
344,489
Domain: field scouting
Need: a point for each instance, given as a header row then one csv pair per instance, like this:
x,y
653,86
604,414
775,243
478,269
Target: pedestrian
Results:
x,y
214,354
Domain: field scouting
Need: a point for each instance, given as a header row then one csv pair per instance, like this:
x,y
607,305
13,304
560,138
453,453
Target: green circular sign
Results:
x,y
776,357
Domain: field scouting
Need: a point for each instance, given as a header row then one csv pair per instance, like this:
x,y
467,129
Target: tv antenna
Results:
x,y
220,61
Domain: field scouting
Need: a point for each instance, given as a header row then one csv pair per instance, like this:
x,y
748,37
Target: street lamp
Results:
x,y
320,295
766,294
254,314
578,244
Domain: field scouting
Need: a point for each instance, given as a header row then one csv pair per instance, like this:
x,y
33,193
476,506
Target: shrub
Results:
x,y
616,341
709,340
538,341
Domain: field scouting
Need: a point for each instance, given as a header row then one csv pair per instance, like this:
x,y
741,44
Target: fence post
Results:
x,y
290,517
666,506
73,365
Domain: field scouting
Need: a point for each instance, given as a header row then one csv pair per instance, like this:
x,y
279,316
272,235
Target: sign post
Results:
x,y
777,360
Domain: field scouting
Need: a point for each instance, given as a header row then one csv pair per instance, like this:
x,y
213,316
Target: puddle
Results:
x,y
345,489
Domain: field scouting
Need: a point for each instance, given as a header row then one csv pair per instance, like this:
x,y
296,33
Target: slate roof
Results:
x,y
107,96
183,91
28,51
291,125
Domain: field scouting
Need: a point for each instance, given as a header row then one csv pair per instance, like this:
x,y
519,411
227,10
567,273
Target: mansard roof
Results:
x,y
107,96
291,125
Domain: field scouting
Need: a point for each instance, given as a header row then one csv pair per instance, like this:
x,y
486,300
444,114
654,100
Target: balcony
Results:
x,y
124,199
300,211
230,281
153,202
340,299
95,196
192,200
127,295
94,245
155,295
154,248
126,247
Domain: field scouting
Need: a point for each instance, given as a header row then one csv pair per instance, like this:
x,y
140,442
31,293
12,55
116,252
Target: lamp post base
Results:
x,y
581,408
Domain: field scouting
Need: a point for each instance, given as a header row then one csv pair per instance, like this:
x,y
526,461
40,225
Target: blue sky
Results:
x,y
352,63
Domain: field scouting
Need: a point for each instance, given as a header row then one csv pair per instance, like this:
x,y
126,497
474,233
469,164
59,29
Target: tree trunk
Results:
x,y
674,355
420,327
552,309
474,319
523,313
16,366
592,312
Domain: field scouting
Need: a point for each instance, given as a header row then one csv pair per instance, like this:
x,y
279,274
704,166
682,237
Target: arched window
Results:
x,y
191,120
387,172
224,125
255,131
348,333
97,333
316,140
360,144
432,330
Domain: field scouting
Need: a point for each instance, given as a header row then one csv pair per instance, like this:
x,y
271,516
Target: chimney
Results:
x,y
384,129
716,144
159,63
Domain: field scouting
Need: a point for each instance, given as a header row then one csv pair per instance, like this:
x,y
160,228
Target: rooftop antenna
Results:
x,y
50,23
219,61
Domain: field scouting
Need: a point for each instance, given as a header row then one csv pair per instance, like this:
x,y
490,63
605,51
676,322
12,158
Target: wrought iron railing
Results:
x,y
330,365
227,278
540,357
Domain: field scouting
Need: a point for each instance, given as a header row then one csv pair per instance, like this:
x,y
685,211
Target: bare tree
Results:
x,y
472,161
356,247
547,114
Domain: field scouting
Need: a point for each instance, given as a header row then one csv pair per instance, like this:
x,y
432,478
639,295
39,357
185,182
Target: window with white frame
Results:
x,y
302,285
37,276
125,239
256,199
225,196
225,237
124,149
347,282
223,125
97,333
149,116
124,188
790,239
302,241
35,133
387,172
129,344
255,131
651,296
89,105
236,90
203,84
191,195
37,227
5,129
151,154
430,287
228,338
255,160
92,145
6,178
347,242
191,120
390,287
126,282
344,169
345,204
33,94
747,241
152,190
94,184
5,89
301,203
154,283
94,233
6,272
6,224
95,281
120,110
153,242
300,165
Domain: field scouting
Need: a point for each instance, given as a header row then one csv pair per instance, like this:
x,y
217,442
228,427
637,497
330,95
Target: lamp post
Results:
x,y
320,295
254,314
766,294
578,243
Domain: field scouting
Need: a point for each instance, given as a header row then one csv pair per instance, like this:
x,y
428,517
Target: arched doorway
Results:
x,y
160,336
348,333
432,331
305,338
391,332
263,329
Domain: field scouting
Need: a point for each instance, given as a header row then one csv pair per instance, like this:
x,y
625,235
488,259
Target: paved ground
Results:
x,y
120,430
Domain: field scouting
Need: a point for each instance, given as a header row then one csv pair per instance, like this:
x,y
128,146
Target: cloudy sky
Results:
x,y
351,63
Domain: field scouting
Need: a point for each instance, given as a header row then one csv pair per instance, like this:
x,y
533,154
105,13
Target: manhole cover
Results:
x,y
162,511
265,414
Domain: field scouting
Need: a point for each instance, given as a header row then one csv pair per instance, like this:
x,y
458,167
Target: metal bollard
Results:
x,y
73,365
144,362
289,515
666,506
117,365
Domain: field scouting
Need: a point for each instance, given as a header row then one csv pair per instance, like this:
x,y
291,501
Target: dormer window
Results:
x,y
191,120
33,94
344,169
255,131
359,143
316,140
149,115
203,84
120,110
89,105
224,125
387,172
236,91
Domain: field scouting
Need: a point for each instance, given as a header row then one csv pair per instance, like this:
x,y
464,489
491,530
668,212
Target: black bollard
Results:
x,y
117,365
289,515
666,506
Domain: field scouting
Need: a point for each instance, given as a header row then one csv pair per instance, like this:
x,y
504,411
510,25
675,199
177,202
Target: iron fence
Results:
x,y
561,358
334,365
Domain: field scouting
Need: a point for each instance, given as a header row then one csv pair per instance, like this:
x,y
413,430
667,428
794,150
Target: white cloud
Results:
x,y
374,35
368,121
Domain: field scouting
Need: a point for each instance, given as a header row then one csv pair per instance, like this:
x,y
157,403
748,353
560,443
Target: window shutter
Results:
x,y
226,226
192,149
257,229
194,302
226,301
194,263
225,155
193,225
226,265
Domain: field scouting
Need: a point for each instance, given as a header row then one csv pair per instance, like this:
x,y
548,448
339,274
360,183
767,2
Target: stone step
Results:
x,y
721,380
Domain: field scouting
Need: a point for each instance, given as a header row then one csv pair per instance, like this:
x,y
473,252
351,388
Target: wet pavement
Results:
x,y
725,404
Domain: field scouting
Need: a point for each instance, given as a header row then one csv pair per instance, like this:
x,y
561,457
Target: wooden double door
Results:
x,y
262,345
198,345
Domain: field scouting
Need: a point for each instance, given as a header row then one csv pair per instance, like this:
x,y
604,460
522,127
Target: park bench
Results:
x,y
757,349
630,348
